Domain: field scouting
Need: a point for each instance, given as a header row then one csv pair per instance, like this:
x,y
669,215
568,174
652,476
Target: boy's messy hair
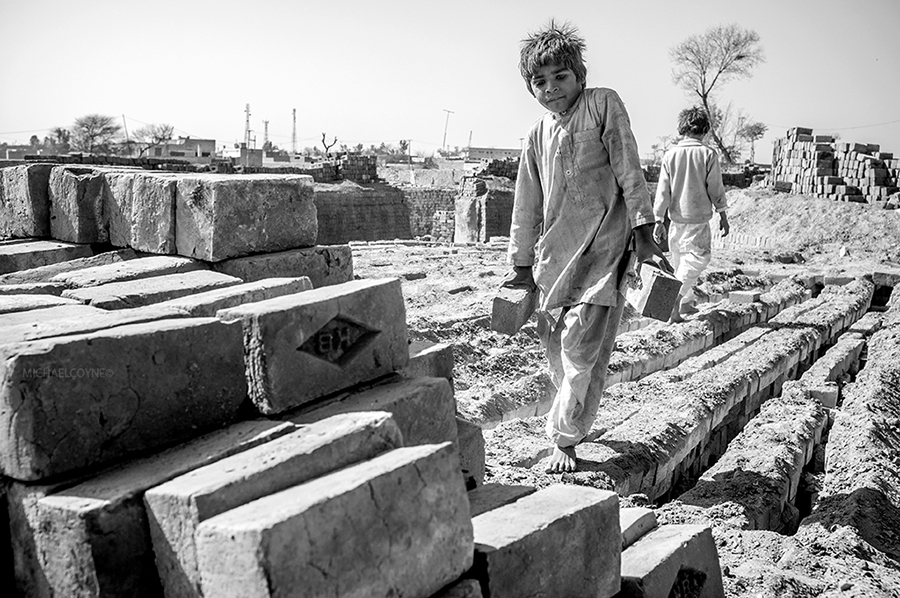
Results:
x,y
554,44
693,121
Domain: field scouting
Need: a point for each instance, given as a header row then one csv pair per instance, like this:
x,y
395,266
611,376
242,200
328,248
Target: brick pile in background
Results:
x,y
357,168
843,171
442,226
349,212
424,204
507,168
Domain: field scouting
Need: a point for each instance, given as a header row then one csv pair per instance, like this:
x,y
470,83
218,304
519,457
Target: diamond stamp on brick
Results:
x,y
338,341
301,347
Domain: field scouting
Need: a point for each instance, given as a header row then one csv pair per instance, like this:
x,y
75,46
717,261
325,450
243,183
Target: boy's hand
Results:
x,y
520,278
647,249
723,224
659,233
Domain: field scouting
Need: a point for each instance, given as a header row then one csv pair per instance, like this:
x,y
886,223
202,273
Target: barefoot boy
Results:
x,y
690,186
580,200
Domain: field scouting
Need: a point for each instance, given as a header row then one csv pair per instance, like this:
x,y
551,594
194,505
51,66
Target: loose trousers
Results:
x,y
691,247
578,346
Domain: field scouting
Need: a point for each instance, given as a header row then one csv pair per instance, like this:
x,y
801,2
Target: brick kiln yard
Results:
x,y
199,422
840,531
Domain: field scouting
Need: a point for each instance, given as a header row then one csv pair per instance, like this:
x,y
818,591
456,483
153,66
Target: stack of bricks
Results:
x,y
506,168
359,168
424,203
442,225
843,171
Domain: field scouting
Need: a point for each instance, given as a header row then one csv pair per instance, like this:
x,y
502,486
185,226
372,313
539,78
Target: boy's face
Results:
x,y
555,87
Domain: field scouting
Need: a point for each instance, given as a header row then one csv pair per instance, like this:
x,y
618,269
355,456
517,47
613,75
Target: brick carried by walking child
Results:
x,y
581,205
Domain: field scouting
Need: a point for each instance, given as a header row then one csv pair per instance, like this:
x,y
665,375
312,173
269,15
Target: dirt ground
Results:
x,y
448,292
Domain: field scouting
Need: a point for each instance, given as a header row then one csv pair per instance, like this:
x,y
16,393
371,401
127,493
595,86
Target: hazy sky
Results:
x,y
369,71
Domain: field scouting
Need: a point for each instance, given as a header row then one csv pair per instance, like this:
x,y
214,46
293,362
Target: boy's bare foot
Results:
x,y
563,460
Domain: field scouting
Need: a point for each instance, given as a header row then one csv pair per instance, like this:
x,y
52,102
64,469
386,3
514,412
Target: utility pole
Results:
x,y
247,136
446,122
294,134
265,135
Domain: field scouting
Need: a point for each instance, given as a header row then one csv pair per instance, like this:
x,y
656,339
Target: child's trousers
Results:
x,y
578,346
691,247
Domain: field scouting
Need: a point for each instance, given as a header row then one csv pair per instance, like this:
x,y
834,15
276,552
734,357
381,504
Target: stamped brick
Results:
x,y
210,302
225,216
324,265
635,522
32,254
76,205
45,273
92,539
428,359
78,401
24,201
304,540
301,347
17,303
555,542
146,291
178,506
424,408
123,271
683,555
493,496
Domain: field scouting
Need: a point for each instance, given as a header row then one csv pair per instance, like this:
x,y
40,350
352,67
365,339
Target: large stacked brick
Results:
x,y
352,167
350,212
508,168
359,168
843,171
424,203
443,225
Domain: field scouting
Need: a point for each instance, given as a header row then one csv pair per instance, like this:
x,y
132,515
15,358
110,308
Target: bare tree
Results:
x,y
703,63
152,135
328,146
95,133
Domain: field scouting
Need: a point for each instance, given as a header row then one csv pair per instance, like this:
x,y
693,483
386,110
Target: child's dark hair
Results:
x,y
554,44
693,121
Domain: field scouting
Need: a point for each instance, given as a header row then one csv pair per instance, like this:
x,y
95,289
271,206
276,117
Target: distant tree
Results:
x,y
34,142
57,142
752,132
95,133
657,150
703,63
328,146
152,135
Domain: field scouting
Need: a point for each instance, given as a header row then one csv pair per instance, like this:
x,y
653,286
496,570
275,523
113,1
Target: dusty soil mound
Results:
x,y
814,226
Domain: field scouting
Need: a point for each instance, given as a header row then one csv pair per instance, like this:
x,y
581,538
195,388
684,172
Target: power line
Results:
x,y
841,128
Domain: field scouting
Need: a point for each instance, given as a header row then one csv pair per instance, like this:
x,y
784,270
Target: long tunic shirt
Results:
x,y
579,192
690,184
